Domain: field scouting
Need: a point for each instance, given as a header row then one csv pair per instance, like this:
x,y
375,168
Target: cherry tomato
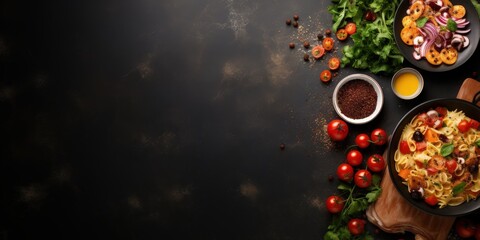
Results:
x,y
362,140
370,16
354,157
463,126
474,124
431,200
376,163
318,51
451,166
420,146
334,63
404,148
341,34
465,227
351,28
334,204
328,43
442,111
363,178
337,130
325,76
356,226
345,172
379,136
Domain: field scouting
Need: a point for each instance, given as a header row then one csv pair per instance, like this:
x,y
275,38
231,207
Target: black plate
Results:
x,y
470,110
463,56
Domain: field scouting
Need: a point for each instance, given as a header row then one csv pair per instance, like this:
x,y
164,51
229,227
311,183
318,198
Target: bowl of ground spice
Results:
x,y
358,98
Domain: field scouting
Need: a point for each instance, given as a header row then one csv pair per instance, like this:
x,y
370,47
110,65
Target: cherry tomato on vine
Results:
x,y
376,163
379,136
463,126
404,148
362,140
345,172
341,34
334,204
354,157
351,28
464,227
325,76
337,130
334,63
328,43
363,178
356,226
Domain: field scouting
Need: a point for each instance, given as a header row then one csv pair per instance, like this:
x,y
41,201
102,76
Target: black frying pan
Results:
x,y
472,111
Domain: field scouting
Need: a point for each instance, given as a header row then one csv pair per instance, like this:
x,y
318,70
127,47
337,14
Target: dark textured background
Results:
x,y
163,120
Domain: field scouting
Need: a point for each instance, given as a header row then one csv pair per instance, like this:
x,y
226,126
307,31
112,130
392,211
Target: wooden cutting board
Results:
x,y
392,213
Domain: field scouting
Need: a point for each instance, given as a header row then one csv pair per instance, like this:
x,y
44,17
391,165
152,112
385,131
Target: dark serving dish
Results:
x,y
470,110
463,55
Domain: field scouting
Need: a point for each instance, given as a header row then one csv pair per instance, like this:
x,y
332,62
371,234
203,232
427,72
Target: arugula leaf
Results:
x,y
458,188
446,149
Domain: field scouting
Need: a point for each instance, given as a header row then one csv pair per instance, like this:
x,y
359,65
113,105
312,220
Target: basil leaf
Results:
x,y
451,25
458,188
446,149
421,21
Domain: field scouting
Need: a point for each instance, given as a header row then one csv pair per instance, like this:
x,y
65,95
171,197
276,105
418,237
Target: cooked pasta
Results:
x,y
438,157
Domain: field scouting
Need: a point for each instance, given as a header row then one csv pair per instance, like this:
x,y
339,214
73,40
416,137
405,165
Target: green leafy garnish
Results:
x,y
477,143
421,21
458,188
476,4
356,203
446,149
374,46
451,25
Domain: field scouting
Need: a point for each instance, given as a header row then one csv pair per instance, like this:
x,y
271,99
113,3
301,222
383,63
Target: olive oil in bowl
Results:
x,y
407,83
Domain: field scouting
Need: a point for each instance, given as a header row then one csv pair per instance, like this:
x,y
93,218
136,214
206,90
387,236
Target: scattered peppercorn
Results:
x,y
295,24
328,31
320,36
295,17
291,45
330,178
288,22
306,44
306,57
282,146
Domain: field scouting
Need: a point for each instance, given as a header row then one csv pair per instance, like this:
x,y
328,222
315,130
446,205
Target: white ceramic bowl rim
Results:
x,y
376,87
420,83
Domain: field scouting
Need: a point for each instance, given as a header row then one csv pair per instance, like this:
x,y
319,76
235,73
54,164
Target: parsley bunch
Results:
x,y
374,46
356,203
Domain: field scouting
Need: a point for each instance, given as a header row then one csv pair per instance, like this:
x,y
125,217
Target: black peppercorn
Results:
x,y
320,36
291,45
288,22
306,57
282,146
295,17
328,31
306,44
295,24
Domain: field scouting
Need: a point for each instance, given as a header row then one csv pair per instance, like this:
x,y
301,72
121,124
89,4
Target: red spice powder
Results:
x,y
357,99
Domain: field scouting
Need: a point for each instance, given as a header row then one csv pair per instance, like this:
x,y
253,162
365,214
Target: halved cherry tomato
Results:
x,y
334,63
362,140
474,124
421,145
463,126
328,43
431,200
351,28
318,51
325,76
442,111
404,148
451,166
342,34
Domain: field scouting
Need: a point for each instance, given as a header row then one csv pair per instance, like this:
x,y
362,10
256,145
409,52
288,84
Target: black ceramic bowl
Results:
x,y
471,111
463,55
